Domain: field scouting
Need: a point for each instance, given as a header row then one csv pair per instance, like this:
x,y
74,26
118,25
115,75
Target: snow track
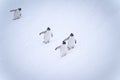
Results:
x,y
95,56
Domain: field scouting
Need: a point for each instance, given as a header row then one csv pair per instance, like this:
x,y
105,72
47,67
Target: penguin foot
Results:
x,y
46,42
16,18
69,48
63,55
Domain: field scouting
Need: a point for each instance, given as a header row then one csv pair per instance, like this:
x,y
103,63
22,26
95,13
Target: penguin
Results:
x,y
47,35
63,49
71,41
17,13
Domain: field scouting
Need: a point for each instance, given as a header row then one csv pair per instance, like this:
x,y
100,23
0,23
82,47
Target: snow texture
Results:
x,y
95,24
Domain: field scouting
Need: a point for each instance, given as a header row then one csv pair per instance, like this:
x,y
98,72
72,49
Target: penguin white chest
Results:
x,y
63,49
17,14
71,42
47,36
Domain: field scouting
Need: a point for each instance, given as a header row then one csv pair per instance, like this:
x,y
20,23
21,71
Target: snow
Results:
x,y
94,23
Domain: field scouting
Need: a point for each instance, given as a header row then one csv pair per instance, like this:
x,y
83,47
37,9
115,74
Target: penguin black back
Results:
x,y
64,42
19,9
48,29
71,34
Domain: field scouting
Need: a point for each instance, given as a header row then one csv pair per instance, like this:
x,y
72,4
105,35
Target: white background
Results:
x,y
95,24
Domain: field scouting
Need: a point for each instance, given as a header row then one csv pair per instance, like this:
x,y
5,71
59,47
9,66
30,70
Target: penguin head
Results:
x,y
71,34
19,9
63,42
48,29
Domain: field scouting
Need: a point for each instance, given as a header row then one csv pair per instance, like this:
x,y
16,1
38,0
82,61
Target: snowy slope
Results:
x,y
95,56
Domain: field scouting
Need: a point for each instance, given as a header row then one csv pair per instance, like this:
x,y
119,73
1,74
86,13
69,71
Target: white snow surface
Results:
x,y
94,23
